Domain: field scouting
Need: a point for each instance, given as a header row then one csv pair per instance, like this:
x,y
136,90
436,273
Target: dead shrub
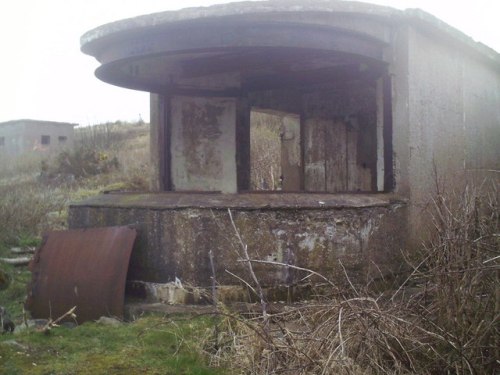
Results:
x,y
25,209
459,280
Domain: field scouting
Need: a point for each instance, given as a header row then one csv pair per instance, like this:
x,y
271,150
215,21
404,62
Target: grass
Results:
x,y
150,345
12,298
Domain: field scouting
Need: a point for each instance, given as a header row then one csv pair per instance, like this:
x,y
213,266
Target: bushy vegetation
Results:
x,y
105,157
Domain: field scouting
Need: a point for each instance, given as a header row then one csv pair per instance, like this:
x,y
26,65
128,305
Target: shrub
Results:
x,y
84,162
459,277
25,208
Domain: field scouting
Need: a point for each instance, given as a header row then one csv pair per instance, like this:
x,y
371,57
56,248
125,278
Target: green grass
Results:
x,y
12,298
150,345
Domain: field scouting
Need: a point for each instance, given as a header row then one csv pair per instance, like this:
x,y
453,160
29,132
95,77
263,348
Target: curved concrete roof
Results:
x,y
240,9
238,44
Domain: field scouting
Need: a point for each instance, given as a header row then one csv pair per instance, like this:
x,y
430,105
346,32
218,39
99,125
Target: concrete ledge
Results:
x,y
314,231
250,201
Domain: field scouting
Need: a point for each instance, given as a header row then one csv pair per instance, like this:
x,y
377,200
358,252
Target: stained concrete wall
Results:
x,y
317,231
25,136
203,144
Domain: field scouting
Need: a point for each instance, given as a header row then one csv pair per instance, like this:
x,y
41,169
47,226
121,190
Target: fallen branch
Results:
x,y
55,323
23,261
311,272
22,250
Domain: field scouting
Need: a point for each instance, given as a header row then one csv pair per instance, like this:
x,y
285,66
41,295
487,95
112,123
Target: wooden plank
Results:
x,y
336,157
291,153
353,177
359,178
364,179
314,154
243,144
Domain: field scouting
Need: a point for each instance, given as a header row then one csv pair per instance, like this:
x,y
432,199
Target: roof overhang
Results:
x,y
242,46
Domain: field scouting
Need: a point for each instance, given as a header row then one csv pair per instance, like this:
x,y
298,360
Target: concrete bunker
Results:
x,y
339,78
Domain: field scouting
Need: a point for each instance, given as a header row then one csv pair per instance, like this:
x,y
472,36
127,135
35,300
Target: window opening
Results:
x,y
2,141
62,139
275,157
45,140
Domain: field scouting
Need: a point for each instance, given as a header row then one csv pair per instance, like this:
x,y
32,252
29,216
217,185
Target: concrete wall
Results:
x,y
453,123
25,136
177,231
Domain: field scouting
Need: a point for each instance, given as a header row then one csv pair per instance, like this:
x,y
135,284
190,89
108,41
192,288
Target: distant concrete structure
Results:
x,y
20,137
375,101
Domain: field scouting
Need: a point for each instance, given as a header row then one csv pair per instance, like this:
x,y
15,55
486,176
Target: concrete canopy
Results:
x,y
242,46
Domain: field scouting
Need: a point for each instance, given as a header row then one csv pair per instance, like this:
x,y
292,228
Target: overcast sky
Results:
x,y
43,74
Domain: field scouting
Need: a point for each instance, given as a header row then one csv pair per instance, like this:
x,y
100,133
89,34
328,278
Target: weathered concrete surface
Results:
x,y
176,52
314,231
203,145
453,122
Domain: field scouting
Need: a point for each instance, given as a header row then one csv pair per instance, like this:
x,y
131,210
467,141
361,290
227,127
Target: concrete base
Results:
x,y
360,234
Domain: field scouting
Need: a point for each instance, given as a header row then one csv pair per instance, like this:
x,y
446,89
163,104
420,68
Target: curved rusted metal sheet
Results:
x,y
86,268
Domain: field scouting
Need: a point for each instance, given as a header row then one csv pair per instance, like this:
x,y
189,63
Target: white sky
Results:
x,y
43,74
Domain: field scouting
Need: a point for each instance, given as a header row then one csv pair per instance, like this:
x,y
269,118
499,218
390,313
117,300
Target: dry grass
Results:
x,y
265,149
443,320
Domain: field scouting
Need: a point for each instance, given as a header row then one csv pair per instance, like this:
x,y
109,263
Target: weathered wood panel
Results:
x,y
352,159
336,156
314,154
291,160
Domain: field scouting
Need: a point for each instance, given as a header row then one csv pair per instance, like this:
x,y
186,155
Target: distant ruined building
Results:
x,y
19,137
